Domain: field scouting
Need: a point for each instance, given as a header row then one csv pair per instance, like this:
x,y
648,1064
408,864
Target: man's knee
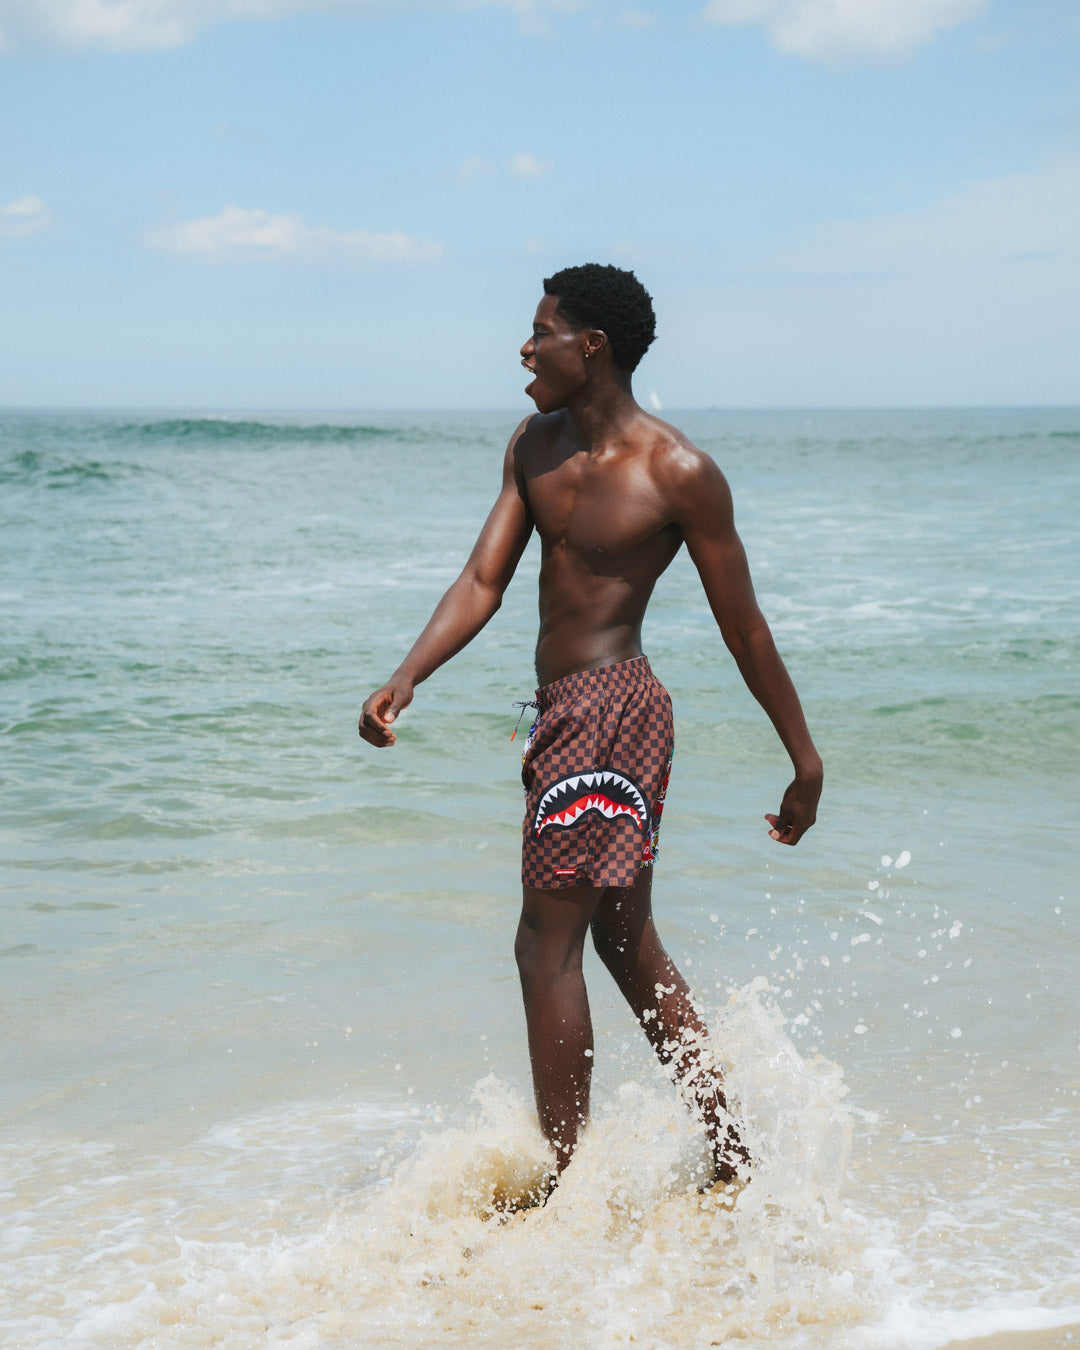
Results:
x,y
610,941
548,948
525,950
539,958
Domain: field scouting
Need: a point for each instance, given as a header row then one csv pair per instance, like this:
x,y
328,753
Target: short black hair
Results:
x,y
596,295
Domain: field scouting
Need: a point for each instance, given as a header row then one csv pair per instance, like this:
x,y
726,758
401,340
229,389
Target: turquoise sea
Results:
x,y
264,1077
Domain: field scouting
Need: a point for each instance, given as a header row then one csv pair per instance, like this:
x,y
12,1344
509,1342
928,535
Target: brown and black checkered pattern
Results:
x,y
616,718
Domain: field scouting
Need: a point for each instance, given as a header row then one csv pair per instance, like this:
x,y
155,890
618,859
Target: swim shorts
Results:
x,y
595,771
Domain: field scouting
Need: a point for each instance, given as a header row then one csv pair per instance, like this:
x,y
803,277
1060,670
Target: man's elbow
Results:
x,y
747,638
486,593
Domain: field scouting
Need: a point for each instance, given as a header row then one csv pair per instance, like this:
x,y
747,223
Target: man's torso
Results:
x,y
605,520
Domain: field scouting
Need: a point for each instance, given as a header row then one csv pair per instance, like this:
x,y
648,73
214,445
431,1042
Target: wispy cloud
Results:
x,y
632,17
829,30
116,25
629,17
24,217
988,227
475,168
522,164
534,16
156,25
253,235
525,165
847,31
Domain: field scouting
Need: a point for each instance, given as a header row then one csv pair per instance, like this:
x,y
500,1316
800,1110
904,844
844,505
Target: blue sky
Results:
x,y
351,204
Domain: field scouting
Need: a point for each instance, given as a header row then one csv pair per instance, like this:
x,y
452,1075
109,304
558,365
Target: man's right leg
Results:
x,y
550,941
627,942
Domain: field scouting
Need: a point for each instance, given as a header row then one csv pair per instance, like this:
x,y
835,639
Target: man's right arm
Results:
x,y
467,605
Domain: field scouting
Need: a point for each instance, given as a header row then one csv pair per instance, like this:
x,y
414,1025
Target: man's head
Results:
x,y
605,297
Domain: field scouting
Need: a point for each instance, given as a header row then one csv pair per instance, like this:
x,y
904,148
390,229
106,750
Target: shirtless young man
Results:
x,y
614,493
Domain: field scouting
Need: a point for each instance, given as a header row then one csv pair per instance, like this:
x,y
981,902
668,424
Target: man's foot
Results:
x,y
731,1165
730,1152
504,1204
725,1192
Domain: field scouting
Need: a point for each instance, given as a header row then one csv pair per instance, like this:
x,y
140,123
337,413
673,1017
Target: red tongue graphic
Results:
x,y
593,802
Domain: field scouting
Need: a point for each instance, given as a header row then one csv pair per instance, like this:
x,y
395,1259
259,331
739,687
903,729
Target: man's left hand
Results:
x,y
797,813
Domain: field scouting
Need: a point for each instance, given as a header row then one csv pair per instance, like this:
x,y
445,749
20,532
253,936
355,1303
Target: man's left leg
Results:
x,y
627,942
550,940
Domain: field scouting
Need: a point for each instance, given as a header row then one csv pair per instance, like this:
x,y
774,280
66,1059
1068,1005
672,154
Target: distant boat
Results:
x,y
654,399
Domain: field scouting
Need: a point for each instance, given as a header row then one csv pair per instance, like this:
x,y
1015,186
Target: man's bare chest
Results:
x,y
590,511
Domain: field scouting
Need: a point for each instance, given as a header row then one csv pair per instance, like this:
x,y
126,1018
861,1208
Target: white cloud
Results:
x,y
997,223
969,299
525,165
116,25
846,31
522,164
630,17
534,16
241,235
475,168
27,216
155,25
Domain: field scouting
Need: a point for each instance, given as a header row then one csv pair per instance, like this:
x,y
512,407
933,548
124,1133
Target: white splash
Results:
x,y
239,1243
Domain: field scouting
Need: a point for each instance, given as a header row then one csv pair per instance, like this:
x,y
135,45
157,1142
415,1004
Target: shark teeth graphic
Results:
x,y
609,793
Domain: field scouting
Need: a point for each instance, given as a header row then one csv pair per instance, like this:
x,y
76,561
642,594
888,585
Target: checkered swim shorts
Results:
x,y
595,771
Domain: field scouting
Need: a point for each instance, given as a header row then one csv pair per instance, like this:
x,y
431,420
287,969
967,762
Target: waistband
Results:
x,y
619,675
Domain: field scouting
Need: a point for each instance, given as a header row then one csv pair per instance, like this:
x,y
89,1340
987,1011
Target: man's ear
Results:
x,y
595,342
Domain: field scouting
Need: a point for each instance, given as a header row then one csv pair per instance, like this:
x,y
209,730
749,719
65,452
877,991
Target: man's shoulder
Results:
x,y
538,428
675,463
687,479
675,459
535,441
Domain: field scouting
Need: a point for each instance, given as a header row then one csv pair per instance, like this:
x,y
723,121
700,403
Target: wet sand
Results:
x,y
1050,1339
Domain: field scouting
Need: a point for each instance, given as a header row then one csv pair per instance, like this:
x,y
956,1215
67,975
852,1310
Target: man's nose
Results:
x,y
526,348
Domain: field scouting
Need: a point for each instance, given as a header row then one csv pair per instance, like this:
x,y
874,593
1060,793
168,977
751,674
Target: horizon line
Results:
x,y
293,410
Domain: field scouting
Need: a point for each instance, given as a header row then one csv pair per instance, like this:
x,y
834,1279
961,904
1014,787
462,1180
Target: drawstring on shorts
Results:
x,y
528,703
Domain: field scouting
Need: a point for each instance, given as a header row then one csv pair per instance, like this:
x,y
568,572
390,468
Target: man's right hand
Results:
x,y
380,710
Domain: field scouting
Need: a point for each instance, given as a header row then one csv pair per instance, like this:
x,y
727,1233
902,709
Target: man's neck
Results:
x,y
603,410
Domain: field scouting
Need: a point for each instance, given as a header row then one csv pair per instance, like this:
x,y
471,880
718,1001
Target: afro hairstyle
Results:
x,y
596,295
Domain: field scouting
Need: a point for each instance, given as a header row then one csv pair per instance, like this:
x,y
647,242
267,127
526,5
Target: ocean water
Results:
x,y
263,1077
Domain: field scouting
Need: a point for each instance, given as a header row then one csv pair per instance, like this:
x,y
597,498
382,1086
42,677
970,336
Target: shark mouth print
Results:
x,y
610,793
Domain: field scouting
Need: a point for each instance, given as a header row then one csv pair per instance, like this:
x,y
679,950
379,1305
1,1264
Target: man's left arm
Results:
x,y
707,521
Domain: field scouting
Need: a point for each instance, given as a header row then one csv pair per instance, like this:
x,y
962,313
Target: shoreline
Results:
x,y
1047,1338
